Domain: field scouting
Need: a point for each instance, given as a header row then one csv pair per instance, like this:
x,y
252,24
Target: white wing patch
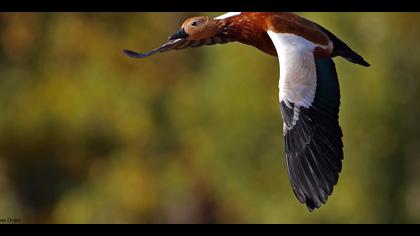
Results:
x,y
297,83
227,15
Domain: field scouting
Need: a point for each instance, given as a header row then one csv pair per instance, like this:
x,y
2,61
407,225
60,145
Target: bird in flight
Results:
x,y
309,92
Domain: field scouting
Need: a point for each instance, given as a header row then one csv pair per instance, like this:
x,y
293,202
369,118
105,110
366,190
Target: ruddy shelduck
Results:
x,y
309,93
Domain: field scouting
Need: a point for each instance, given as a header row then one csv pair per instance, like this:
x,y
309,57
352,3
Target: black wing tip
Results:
x,y
365,64
312,205
133,54
362,62
353,57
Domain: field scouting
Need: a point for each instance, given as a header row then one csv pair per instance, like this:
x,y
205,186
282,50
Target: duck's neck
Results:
x,y
248,30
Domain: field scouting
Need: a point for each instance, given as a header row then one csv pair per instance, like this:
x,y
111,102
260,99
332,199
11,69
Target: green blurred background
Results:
x,y
88,135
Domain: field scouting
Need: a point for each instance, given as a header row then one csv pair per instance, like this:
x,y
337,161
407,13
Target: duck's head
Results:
x,y
196,28
193,33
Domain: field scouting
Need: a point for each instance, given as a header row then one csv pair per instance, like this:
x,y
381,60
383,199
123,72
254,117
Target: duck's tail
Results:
x,y
341,49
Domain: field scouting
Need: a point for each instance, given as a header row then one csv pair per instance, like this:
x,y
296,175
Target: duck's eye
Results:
x,y
194,23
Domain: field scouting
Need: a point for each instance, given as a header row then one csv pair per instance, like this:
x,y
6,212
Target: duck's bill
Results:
x,y
172,44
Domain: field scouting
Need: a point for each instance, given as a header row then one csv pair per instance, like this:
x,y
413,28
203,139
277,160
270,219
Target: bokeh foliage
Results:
x,y
88,135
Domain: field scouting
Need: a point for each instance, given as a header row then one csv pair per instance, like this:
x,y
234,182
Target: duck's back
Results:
x,y
284,22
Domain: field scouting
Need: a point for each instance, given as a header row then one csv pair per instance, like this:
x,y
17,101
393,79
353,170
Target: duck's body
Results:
x,y
309,93
251,28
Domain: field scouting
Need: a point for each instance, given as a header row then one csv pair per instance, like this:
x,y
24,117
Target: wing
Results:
x,y
228,15
180,44
309,101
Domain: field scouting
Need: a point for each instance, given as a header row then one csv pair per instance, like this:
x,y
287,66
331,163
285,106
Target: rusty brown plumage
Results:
x,y
251,28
